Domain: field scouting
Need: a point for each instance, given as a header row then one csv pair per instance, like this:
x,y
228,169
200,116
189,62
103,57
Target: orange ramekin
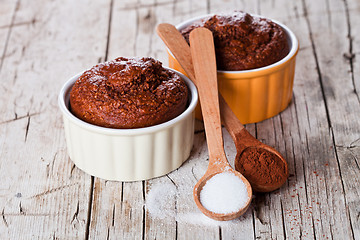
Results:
x,y
257,94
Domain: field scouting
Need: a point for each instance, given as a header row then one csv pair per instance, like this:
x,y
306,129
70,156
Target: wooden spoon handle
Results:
x,y
231,122
181,51
178,46
203,55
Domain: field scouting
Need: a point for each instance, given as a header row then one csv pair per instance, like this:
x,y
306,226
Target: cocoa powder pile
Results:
x,y
263,169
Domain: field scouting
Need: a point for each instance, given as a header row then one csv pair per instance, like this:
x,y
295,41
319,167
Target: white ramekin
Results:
x,y
128,154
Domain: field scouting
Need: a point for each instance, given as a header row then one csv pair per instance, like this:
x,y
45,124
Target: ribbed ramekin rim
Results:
x,y
292,53
65,90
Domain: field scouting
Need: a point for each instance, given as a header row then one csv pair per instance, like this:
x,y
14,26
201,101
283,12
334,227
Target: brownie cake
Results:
x,y
128,93
242,41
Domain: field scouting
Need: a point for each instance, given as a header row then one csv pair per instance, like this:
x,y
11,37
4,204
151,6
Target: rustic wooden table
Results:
x,y
44,196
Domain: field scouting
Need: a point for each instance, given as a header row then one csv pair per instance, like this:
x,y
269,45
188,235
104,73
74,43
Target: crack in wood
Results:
x,y
307,113
19,118
351,55
75,216
27,214
282,218
108,233
113,216
21,210
176,229
143,222
136,28
3,217
257,211
282,131
72,170
192,172
270,225
301,217
143,190
307,144
296,116
27,127
355,158
15,77
53,190
122,193
50,166
143,212
256,130
167,175
109,30
316,62
89,211
9,33
31,22
253,223
353,142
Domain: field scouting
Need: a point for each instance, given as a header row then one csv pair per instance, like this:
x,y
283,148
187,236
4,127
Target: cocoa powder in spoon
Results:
x,y
261,167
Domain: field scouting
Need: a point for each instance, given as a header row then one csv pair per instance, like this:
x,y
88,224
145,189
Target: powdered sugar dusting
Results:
x,y
161,204
160,200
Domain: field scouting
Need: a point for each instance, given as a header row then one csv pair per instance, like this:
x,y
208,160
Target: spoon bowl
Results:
x,y
245,142
220,216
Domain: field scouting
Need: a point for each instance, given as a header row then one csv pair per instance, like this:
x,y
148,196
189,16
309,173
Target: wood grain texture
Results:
x,y
44,196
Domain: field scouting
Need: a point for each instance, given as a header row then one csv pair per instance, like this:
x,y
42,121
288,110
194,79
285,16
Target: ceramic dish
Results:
x,y
257,94
128,154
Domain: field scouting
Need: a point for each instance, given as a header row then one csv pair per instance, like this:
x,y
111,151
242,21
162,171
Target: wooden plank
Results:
x,y
350,154
43,195
335,67
324,202
286,213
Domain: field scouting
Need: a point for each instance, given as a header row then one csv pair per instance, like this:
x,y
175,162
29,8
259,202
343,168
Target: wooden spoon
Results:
x,y
242,138
203,55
